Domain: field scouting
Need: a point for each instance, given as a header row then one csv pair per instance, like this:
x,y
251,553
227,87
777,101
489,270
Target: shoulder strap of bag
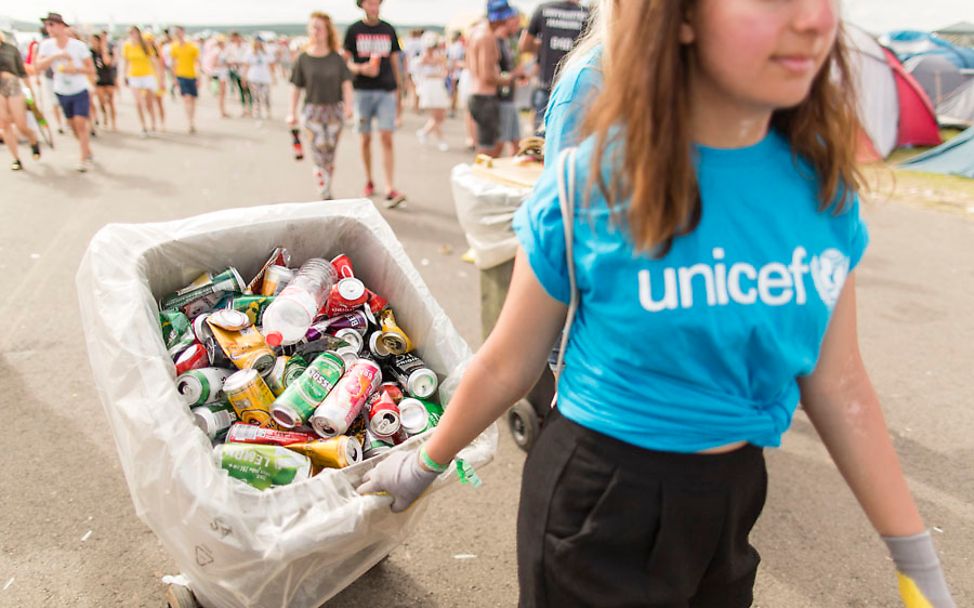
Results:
x,y
566,197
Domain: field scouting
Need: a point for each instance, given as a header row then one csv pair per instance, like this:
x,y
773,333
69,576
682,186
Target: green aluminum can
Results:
x,y
194,300
263,466
300,399
252,306
294,368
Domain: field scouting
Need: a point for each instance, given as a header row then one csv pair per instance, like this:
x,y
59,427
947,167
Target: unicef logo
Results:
x,y
829,271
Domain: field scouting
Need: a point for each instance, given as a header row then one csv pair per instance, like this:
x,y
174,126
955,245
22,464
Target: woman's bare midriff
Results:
x,y
730,447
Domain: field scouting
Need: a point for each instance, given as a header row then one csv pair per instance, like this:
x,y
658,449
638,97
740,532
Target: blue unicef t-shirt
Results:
x,y
702,347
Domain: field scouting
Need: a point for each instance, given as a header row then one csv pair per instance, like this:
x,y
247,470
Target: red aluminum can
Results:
x,y
345,296
383,415
248,433
392,389
194,357
376,302
343,267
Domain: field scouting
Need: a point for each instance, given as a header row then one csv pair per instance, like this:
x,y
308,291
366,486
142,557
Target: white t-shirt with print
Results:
x,y
67,84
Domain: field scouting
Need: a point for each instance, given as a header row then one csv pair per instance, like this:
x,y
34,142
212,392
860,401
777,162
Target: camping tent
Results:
x,y
961,34
959,107
876,87
893,108
907,44
956,157
938,76
918,120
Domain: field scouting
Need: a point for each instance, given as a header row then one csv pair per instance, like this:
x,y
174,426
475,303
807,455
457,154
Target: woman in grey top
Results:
x,y
13,107
327,82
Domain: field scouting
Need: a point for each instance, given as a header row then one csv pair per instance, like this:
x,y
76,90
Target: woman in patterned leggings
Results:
x,y
327,83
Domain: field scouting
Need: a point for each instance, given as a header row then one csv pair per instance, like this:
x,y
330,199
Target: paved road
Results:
x,y
68,534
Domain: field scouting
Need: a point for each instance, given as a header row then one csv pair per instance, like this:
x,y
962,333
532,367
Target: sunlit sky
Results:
x,y
874,15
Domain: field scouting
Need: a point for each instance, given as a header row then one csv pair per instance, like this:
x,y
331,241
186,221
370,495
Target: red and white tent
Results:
x,y
893,108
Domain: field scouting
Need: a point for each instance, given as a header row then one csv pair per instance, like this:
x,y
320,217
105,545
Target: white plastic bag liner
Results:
x,y
294,546
486,212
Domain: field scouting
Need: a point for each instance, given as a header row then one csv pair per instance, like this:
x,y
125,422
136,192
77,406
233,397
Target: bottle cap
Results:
x,y
274,338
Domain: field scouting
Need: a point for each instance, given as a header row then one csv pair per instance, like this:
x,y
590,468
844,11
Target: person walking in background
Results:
x,y
105,77
509,128
71,61
483,59
216,66
373,48
430,75
321,72
724,150
13,106
259,64
185,59
552,33
140,76
45,82
455,54
236,51
158,99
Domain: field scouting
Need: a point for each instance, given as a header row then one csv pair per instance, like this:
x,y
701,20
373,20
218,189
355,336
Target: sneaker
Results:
x,y
443,146
421,136
394,199
144,134
17,165
86,165
35,151
369,189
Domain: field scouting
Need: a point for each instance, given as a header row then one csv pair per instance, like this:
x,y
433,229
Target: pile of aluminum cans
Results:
x,y
351,389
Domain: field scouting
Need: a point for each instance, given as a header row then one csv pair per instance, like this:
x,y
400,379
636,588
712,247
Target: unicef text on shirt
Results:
x,y
775,284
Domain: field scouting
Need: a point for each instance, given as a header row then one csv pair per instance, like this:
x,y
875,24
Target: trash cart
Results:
x,y
236,547
486,195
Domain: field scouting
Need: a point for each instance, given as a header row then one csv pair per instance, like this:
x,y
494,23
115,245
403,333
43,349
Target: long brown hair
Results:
x,y
142,42
645,106
329,28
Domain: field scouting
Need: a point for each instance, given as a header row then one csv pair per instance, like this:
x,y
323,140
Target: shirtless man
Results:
x,y
484,64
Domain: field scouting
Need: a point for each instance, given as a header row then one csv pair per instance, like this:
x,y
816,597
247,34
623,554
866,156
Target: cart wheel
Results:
x,y
178,596
524,424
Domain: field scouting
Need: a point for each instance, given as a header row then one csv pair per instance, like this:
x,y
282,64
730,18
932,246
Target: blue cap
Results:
x,y
499,10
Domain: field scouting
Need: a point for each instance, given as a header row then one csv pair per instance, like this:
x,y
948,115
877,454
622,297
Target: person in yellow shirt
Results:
x,y
138,57
186,67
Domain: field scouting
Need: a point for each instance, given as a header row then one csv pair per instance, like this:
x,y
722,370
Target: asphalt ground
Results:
x,y
68,533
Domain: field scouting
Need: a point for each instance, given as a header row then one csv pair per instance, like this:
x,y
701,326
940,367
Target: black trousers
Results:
x,y
604,523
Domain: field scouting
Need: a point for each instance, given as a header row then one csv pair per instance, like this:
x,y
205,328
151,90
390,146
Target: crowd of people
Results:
x,y
71,79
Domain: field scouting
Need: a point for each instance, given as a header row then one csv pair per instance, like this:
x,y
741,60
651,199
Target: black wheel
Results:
x,y
178,596
524,424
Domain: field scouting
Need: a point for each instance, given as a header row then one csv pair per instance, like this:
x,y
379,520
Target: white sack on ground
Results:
x,y
293,546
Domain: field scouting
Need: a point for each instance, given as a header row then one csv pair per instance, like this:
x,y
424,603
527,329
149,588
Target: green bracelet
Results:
x,y
431,464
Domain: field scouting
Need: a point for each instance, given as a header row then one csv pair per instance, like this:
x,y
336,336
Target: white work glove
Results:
x,y
922,583
400,475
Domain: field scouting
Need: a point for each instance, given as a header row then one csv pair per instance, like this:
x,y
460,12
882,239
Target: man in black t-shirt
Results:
x,y
373,47
554,30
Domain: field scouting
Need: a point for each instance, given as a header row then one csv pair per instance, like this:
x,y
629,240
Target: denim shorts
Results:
x,y
187,87
78,104
376,105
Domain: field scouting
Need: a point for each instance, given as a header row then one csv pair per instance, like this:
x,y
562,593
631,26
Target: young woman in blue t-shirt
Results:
x,y
714,248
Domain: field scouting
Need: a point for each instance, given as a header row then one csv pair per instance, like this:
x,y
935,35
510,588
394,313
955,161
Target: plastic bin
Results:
x,y
293,546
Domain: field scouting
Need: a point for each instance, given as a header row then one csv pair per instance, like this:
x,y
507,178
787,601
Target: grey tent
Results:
x,y
956,157
959,107
959,33
938,76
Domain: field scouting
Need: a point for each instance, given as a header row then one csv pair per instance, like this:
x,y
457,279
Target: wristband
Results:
x,y
429,463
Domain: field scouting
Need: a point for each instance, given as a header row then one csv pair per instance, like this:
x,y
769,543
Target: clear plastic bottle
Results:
x,y
289,316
